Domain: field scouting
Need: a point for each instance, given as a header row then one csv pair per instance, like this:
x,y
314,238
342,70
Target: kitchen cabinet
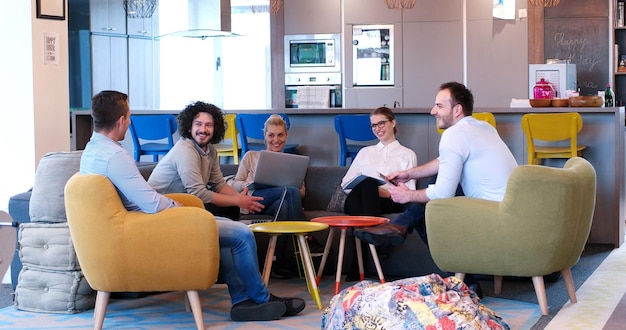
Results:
x,y
107,17
144,27
109,58
428,67
141,82
312,17
371,12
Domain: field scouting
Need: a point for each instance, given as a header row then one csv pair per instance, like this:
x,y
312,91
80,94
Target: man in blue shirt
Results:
x,y
238,256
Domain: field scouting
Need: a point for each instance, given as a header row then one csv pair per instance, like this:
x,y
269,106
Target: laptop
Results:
x,y
277,169
263,220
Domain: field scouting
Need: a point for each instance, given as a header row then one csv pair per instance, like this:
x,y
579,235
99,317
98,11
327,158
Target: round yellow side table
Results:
x,y
300,229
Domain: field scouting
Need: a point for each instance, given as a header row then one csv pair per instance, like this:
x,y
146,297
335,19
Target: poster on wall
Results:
x,y
50,48
504,9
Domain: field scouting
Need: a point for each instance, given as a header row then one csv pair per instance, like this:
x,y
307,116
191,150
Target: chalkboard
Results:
x,y
583,41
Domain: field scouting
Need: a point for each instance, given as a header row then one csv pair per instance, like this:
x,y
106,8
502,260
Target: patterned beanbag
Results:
x,y
426,302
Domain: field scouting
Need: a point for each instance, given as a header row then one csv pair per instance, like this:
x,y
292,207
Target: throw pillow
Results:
x,y
47,203
337,201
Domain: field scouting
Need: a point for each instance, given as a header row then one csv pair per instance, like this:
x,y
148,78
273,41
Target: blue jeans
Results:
x,y
414,217
292,207
238,262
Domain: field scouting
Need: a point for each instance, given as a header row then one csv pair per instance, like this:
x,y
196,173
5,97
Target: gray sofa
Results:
x,y
410,259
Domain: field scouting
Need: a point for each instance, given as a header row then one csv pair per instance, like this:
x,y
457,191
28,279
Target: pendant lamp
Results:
x,y
139,8
400,4
544,3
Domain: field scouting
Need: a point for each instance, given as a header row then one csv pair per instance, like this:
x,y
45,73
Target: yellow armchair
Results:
x,y
540,227
121,251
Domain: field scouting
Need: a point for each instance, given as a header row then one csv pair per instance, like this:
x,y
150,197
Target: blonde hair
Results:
x,y
275,120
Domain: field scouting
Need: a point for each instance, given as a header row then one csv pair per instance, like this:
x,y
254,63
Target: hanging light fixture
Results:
x,y
544,3
139,8
400,4
272,8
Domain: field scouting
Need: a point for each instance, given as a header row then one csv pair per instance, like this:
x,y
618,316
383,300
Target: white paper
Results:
x,y
50,48
504,9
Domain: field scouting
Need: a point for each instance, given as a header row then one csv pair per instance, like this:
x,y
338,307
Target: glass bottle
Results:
x,y
608,97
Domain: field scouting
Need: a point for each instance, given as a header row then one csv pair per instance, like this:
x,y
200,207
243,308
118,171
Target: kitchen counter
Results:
x,y
602,133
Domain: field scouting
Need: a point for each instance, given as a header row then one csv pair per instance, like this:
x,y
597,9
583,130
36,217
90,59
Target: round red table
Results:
x,y
343,222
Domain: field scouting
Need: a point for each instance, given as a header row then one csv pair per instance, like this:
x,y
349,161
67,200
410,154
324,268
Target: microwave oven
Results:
x,y
312,53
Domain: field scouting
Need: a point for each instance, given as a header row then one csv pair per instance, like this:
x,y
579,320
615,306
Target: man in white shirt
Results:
x,y
472,156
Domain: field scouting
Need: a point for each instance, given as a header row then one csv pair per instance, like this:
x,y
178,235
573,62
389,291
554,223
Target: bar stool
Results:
x,y
300,229
344,222
552,127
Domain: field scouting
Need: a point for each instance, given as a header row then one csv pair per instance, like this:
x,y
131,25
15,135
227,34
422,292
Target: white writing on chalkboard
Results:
x,y
584,42
575,47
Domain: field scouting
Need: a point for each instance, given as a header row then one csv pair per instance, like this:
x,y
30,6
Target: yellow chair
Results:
x,y
486,116
552,127
540,227
229,149
122,251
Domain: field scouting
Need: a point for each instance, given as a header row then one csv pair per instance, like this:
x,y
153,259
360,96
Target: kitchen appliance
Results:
x,y
327,83
307,53
373,55
313,71
562,77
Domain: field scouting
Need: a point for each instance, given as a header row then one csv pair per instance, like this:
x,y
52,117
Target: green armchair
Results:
x,y
540,227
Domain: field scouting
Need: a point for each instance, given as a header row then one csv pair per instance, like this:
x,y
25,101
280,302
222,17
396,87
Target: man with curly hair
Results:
x,y
192,166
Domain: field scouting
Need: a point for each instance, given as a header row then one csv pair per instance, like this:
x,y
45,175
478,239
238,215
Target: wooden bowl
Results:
x,y
585,101
540,103
560,102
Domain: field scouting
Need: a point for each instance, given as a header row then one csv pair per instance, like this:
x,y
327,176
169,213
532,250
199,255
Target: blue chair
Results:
x,y
250,127
149,131
354,128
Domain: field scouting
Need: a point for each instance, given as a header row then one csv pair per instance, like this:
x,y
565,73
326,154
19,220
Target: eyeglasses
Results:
x,y
379,124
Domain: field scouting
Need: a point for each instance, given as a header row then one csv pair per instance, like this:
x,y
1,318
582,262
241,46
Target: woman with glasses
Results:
x,y
370,196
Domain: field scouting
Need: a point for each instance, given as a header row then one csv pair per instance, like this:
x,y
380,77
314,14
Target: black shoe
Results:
x,y
248,310
281,273
293,305
385,234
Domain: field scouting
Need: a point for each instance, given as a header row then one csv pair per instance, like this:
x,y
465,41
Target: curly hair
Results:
x,y
185,120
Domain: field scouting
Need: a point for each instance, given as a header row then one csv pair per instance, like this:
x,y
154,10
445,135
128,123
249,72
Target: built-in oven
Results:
x,y
313,90
306,53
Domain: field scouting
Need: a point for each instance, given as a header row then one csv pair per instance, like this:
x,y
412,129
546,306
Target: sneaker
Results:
x,y
293,305
248,310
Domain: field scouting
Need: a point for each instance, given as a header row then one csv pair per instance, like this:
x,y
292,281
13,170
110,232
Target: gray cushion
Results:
x,y
337,200
47,246
47,203
53,292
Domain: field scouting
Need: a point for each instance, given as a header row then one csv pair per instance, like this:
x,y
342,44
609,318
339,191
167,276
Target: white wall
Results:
x,y
35,98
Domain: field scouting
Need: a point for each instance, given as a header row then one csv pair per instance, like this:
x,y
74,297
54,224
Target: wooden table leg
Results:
x,y
329,242
269,258
379,269
308,270
359,258
342,245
